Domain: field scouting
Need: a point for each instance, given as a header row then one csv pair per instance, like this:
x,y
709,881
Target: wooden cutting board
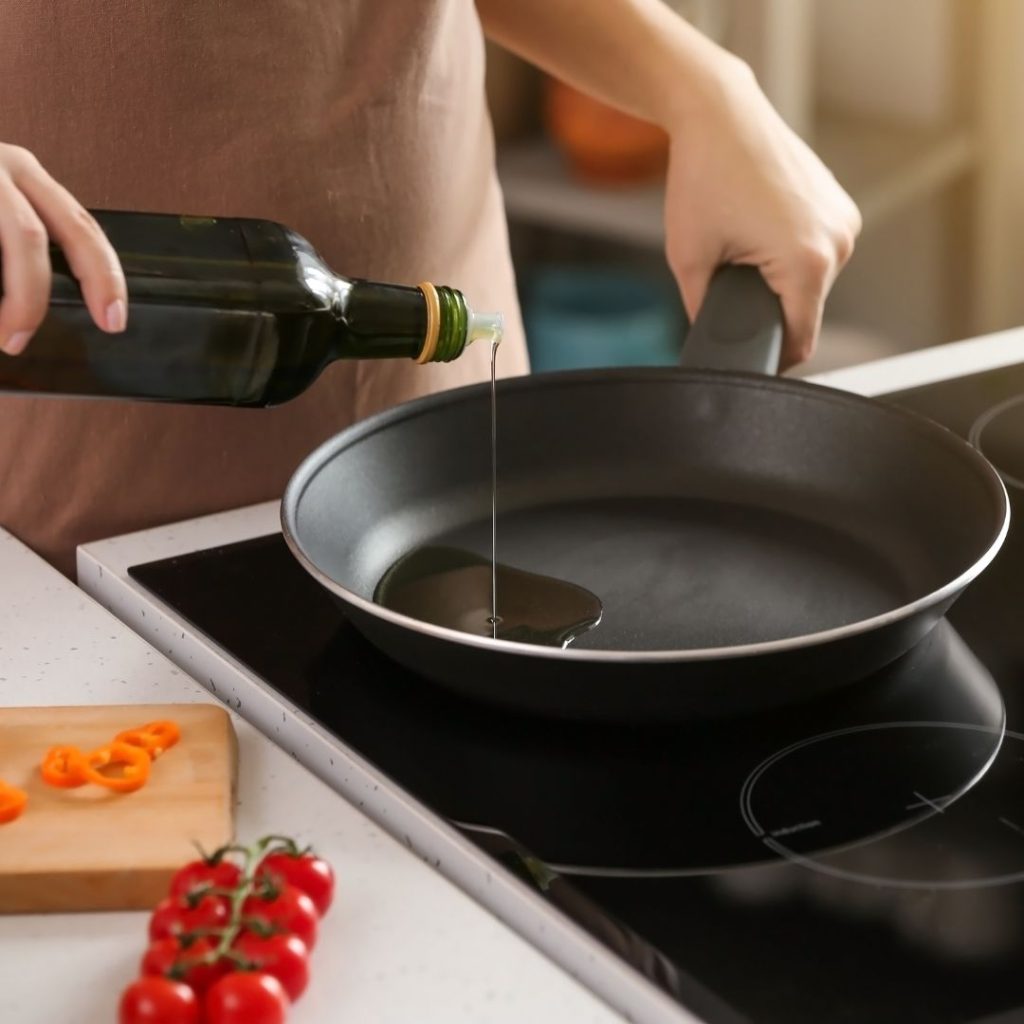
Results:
x,y
92,849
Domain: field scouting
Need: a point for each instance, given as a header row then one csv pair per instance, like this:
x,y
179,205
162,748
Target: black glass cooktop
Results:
x,y
855,858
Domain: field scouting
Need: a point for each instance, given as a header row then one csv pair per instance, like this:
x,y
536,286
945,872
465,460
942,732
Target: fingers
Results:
x,y
90,255
693,275
33,209
801,277
802,284
26,269
802,313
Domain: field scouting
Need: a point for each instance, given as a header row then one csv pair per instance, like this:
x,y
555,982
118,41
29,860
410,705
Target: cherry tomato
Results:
x,y
312,875
167,958
173,916
283,956
200,875
245,997
287,910
158,1001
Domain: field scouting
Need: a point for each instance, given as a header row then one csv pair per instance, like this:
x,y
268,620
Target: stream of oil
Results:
x,y
452,587
493,620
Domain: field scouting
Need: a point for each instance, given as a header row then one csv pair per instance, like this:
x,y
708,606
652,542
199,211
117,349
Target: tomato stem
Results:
x,y
248,883
198,892
252,856
287,844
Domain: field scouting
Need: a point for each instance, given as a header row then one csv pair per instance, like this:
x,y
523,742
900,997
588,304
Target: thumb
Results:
x,y
693,281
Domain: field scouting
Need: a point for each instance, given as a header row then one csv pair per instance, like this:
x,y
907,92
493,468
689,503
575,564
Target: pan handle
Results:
x,y
739,326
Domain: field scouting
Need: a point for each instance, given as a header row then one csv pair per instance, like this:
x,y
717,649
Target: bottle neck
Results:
x,y
429,323
377,321
447,331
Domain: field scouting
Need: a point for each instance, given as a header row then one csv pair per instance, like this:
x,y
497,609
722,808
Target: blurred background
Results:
x,y
917,107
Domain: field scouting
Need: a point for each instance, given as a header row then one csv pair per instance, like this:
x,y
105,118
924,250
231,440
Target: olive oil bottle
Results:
x,y
230,312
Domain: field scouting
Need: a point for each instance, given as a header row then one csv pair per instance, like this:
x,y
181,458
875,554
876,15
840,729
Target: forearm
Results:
x,y
740,187
637,55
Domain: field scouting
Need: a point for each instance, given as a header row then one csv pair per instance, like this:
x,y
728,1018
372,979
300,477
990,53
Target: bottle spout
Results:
x,y
484,326
452,325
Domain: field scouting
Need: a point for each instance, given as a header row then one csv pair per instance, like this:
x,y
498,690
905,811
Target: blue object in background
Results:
x,y
579,317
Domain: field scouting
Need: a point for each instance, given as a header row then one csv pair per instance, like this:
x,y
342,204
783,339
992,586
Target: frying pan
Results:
x,y
754,540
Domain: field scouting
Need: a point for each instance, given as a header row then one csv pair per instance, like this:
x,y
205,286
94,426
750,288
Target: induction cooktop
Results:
x,y
857,857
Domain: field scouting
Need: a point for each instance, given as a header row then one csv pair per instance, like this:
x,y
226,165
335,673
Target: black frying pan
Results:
x,y
754,540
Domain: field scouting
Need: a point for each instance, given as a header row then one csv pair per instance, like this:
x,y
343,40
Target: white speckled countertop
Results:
x,y
402,944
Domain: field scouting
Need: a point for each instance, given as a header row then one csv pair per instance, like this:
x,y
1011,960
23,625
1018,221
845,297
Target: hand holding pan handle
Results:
x,y
739,326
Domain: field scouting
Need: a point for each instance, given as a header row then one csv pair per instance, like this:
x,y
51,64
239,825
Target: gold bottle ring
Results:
x,y
433,322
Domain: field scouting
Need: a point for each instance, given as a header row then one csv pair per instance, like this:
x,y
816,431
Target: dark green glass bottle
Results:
x,y
230,312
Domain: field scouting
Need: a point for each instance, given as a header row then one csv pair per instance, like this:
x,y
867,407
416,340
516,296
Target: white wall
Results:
x,y
890,58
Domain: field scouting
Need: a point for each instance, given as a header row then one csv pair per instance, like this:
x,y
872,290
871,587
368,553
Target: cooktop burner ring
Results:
x,y
859,862
1008,417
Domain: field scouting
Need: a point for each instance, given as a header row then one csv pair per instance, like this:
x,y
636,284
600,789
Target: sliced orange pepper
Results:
x,y
153,737
64,767
12,802
135,765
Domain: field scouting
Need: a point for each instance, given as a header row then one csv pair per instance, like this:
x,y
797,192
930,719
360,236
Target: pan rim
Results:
x,y
321,456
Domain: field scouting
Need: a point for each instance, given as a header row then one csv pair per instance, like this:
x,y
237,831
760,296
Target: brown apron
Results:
x,y
359,123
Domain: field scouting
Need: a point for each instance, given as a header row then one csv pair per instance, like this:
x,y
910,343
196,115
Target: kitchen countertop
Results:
x,y
409,945
401,943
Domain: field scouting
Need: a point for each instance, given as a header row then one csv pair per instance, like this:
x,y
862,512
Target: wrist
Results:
x,y
696,78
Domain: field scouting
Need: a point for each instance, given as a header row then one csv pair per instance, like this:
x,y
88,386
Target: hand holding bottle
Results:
x,y
227,311
33,209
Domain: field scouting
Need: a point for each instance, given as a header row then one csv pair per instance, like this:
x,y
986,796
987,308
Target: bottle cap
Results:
x,y
486,326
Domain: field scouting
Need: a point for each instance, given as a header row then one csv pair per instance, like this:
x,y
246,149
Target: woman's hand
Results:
x,y
744,188
33,209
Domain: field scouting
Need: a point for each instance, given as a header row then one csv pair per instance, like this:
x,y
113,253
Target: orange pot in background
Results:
x,y
603,145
